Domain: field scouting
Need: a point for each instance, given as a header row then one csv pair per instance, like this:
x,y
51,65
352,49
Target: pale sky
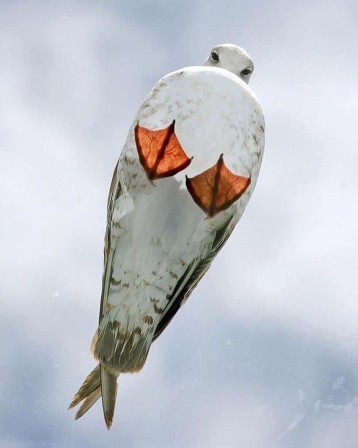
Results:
x,y
265,352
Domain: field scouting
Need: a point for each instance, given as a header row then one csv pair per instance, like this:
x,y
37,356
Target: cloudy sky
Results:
x,y
265,353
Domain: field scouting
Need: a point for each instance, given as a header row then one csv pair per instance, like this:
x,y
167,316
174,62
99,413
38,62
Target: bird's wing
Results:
x,y
115,191
193,274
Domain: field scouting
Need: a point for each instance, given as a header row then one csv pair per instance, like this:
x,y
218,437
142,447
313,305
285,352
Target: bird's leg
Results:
x,y
160,152
215,189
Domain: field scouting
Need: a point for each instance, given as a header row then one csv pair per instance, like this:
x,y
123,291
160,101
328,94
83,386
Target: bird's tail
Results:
x,y
99,382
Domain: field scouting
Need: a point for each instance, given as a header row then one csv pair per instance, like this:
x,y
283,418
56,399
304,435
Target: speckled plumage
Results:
x,y
158,241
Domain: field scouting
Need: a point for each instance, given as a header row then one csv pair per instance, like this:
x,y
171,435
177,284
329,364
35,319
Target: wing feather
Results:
x,y
195,271
115,191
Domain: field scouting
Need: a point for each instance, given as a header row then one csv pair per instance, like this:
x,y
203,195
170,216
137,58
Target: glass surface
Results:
x,y
264,354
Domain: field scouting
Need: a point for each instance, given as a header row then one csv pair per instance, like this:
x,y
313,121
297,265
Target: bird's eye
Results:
x,y
214,56
246,72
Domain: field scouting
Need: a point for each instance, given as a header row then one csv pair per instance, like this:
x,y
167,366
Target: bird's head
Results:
x,y
232,58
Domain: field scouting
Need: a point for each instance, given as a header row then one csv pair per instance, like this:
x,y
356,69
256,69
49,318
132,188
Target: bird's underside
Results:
x,y
182,209
214,190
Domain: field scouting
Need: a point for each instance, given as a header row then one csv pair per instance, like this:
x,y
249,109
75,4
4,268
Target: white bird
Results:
x,y
185,174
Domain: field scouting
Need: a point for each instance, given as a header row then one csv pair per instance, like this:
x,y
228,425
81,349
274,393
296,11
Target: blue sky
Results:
x,y
264,354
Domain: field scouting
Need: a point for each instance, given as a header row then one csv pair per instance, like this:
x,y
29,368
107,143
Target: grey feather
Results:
x,y
88,402
109,395
195,271
90,384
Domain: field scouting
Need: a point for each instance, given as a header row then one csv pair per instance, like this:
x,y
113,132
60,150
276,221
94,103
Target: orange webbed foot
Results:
x,y
217,188
160,152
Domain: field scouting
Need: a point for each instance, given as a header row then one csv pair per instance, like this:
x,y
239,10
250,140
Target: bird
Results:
x,y
182,181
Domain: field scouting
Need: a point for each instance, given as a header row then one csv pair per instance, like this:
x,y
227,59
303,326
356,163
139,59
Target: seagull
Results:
x,y
185,174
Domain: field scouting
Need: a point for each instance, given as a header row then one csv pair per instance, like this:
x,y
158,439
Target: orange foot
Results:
x,y
160,152
217,188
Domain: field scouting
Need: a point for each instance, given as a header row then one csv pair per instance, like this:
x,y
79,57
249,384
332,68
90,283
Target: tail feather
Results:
x,y
109,394
88,402
99,382
90,384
